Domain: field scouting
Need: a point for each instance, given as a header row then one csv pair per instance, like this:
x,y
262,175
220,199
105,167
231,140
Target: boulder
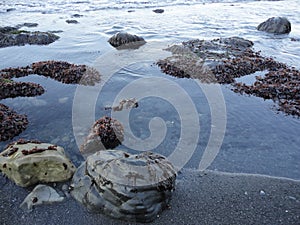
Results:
x,y
125,186
106,133
30,162
276,25
126,40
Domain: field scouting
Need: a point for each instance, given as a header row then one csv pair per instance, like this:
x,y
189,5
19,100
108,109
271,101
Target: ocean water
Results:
x,y
179,118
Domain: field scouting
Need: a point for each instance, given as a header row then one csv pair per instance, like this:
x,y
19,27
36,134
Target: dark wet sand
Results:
x,y
200,198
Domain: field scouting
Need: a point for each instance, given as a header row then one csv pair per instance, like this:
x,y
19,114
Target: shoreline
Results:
x,y
207,197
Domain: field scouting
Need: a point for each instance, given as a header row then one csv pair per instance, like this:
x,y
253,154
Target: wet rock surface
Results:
x,y
225,59
30,162
12,36
125,40
125,186
11,123
106,133
275,25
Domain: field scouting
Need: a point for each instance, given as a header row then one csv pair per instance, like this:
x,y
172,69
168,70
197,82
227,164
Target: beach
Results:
x,y
237,155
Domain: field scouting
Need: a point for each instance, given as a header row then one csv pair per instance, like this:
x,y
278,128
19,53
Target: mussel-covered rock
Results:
x,y
126,40
106,133
276,25
125,186
11,123
30,162
59,70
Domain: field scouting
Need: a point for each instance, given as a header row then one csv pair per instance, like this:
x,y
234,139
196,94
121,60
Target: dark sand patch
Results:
x,y
199,198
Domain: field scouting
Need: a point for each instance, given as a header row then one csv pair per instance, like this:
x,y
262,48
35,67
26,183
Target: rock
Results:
x,y
10,9
59,70
126,40
41,194
158,10
77,15
106,133
30,24
30,162
11,123
125,186
12,89
72,21
276,25
10,36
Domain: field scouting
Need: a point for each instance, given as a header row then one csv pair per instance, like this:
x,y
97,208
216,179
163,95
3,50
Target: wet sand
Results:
x,y
200,198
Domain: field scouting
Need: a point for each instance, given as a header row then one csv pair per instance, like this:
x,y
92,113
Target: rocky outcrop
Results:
x,y
12,36
106,133
59,70
12,89
125,40
225,59
11,123
125,186
30,162
276,25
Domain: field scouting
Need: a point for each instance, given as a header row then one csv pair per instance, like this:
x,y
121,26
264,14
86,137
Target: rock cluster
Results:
x,y
30,162
12,36
11,123
106,133
124,186
125,40
276,25
222,60
59,70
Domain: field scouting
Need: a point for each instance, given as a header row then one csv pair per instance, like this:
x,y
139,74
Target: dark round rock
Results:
x,y
124,39
276,25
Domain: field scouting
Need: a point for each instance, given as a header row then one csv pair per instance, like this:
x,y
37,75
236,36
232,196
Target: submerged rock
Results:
x,y
126,40
125,186
106,133
41,194
30,162
276,25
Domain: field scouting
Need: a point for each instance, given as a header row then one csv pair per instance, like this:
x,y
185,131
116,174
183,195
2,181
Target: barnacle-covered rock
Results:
x,y
30,162
106,133
125,186
126,40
